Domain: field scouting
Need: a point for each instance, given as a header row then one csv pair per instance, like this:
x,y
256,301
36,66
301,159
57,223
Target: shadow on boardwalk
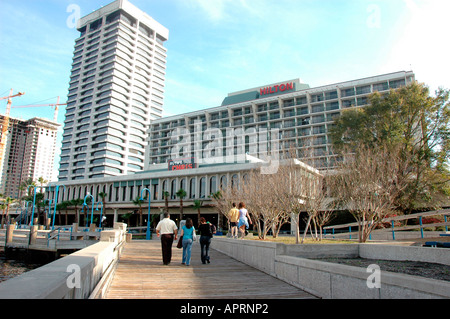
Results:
x,y
141,274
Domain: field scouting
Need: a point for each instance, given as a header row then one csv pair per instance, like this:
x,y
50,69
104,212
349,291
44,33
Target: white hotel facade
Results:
x,y
269,118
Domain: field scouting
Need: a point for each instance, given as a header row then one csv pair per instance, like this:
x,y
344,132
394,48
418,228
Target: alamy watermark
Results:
x,y
74,279
75,15
374,279
374,19
228,146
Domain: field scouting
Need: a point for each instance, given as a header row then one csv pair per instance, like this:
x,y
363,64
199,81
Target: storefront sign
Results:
x,y
181,164
277,89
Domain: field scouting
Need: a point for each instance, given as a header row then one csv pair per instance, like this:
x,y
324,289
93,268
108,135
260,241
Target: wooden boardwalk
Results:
x,y
141,274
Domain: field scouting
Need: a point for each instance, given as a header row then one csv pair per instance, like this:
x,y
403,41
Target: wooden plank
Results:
x,y
141,274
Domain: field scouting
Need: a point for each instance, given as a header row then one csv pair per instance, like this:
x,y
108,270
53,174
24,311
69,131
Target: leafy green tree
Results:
x,y
166,196
419,124
198,204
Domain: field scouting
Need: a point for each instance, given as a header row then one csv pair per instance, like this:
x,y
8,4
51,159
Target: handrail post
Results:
x,y
393,232
421,228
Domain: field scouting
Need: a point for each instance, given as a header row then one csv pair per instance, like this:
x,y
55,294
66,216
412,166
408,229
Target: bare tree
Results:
x,y
367,183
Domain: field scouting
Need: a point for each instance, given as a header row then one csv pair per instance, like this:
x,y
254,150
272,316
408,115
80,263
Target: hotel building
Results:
x,y
179,153
116,89
29,153
300,117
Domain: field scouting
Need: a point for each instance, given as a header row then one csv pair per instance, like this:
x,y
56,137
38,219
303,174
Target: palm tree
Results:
x,y
24,186
137,201
3,208
42,182
197,205
181,194
7,202
75,203
166,195
59,208
103,197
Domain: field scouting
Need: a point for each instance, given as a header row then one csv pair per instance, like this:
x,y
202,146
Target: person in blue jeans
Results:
x,y
205,240
188,234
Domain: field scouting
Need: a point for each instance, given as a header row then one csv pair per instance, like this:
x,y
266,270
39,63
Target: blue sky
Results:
x,y
220,46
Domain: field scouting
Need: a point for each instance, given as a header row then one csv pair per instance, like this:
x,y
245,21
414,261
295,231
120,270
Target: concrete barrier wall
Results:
x,y
73,277
411,253
290,263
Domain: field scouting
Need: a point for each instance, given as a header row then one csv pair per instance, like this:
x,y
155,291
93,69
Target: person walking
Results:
x,y
187,231
205,239
244,219
234,220
167,230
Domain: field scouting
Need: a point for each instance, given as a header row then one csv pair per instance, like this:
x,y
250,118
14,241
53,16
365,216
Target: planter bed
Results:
x,y
414,268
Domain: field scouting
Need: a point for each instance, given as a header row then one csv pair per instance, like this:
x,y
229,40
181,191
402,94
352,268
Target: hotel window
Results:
x,y
173,189
302,100
362,101
317,97
363,89
381,87
183,184
303,110
348,103
332,106
331,95
275,115
332,116
212,185
304,121
223,182
347,92
397,84
319,129
192,186
235,181
317,108
262,108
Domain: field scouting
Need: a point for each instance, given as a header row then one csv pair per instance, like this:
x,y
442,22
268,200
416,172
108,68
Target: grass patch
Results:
x,y
289,240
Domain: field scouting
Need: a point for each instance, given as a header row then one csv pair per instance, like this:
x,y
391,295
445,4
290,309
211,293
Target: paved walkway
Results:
x,y
141,274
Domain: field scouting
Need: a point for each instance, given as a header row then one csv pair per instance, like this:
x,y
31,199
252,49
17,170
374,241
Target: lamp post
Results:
x,y
101,214
56,203
82,210
149,234
92,209
34,202
49,213
26,211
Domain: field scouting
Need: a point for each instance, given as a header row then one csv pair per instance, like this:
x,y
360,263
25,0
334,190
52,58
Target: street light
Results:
x,y
149,234
56,203
92,210
34,201
101,214
82,210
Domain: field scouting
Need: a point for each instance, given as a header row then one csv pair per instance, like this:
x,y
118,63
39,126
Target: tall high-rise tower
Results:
x,y
29,154
116,89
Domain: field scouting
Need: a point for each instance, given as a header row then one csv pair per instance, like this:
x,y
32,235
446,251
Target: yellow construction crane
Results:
x,y
5,124
55,117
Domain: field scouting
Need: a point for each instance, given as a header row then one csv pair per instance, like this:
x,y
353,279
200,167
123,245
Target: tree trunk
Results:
x,y
306,228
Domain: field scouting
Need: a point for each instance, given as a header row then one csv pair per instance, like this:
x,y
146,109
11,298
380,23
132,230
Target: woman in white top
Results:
x,y
244,219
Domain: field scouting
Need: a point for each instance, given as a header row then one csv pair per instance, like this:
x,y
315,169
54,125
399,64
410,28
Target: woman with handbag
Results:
x,y
188,233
